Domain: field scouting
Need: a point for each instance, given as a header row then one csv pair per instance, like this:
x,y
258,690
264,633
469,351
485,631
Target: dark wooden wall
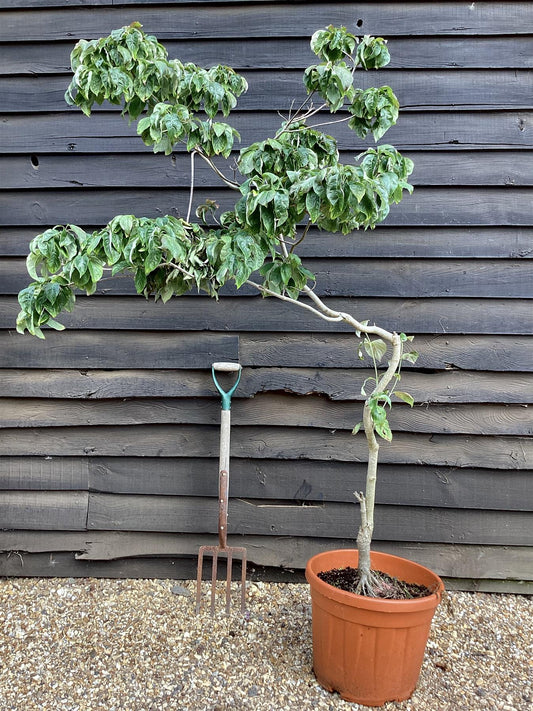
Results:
x,y
108,431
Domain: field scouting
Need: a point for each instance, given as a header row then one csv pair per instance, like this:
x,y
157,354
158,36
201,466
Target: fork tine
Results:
x,y
243,581
214,581
228,581
199,579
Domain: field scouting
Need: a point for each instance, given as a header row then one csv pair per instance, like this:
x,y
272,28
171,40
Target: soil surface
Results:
x,y
384,586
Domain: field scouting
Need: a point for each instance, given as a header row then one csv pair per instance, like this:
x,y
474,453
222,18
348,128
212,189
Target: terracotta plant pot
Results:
x,y
370,650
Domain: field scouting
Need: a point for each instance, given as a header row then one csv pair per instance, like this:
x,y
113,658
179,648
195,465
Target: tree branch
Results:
x,y
282,297
233,184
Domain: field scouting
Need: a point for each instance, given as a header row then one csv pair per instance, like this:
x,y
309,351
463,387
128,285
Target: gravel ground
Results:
x,y
136,645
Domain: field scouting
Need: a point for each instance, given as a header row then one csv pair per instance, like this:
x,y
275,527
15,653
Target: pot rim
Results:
x,y
371,603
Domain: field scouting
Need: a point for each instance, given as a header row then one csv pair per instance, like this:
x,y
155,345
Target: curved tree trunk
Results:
x,y
367,499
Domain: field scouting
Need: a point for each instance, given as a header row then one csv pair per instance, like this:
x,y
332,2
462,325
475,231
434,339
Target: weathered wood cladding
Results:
x,y
109,430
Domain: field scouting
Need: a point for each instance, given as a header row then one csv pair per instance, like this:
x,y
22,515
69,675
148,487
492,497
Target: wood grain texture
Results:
x,y
198,313
387,18
302,482
330,520
143,170
449,53
44,510
314,482
449,560
432,89
428,206
113,424
449,386
44,474
489,242
438,351
496,452
150,350
423,278
172,350
268,410
71,132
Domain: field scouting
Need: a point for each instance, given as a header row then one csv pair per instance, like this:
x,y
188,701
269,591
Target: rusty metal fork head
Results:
x,y
222,549
230,552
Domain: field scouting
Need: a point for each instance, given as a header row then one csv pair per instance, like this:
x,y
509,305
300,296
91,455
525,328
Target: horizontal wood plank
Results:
x,y
308,482
44,474
44,510
290,443
268,410
459,561
450,352
72,132
332,520
66,565
489,242
184,568
386,18
304,482
280,53
155,350
483,316
449,386
427,206
143,170
361,277
315,481
466,89
176,351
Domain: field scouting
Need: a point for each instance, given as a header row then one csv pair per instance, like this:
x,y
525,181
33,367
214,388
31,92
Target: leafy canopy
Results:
x,y
289,182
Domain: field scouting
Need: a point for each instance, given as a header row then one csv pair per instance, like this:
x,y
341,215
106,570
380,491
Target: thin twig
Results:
x,y
304,234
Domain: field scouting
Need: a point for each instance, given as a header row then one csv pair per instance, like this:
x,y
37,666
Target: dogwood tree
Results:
x,y
286,184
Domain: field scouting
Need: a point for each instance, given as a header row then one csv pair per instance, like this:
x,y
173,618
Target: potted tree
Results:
x,y
287,183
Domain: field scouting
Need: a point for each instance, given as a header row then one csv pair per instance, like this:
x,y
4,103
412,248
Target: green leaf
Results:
x,y
378,412
333,43
384,431
357,428
174,246
374,109
81,264
410,357
372,53
140,281
375,349
404,338
405,397
80,234
33,261
51,292
153,260
96,270
55,325
126,222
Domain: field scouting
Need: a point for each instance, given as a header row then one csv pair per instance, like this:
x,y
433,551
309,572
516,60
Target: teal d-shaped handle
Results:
x,y
226,368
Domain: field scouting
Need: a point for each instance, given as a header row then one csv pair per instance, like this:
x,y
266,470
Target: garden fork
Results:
x,y
223,490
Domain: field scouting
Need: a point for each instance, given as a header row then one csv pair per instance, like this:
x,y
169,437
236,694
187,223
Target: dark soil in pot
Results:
x,y
385,586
